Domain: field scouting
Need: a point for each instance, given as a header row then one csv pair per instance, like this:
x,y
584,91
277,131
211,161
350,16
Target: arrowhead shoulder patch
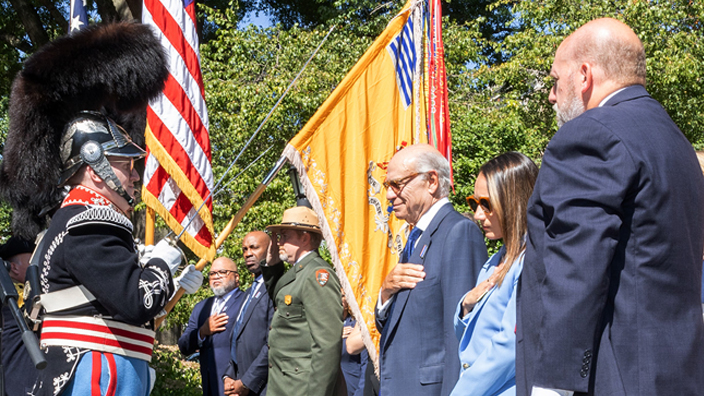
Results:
x,y
322,276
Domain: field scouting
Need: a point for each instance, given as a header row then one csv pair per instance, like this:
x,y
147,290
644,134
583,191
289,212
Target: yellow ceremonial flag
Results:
x,y
341,155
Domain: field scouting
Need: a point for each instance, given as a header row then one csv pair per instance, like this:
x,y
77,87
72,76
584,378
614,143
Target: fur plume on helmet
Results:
x,y
114,68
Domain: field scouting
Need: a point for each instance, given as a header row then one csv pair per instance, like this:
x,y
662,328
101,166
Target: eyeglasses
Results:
x,y
219,274
398,185
475,202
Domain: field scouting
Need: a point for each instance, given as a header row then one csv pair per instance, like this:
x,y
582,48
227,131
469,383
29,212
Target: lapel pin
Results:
x,y
423,251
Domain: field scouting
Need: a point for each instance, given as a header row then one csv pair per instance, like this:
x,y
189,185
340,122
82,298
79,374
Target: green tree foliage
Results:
x,y
500,107
174,377
246,71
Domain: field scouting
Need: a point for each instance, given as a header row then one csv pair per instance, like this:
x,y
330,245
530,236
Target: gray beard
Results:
x,y
574,109
220,291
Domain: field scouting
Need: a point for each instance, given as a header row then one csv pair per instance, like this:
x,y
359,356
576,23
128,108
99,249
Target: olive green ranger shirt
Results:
x,y
305,339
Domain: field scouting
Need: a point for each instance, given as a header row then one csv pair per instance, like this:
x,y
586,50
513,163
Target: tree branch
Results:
x,y
30,20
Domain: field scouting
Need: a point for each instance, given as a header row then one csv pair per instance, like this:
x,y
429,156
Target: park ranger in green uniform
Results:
x,y
305,339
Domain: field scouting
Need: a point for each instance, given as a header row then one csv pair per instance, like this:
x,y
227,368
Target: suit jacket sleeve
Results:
x,y
380,323
584,180
256,375
464,253
188,342
271,275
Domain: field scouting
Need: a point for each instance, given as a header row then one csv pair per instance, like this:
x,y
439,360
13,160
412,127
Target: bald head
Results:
x,y
254,247
611,47
224,263
423,158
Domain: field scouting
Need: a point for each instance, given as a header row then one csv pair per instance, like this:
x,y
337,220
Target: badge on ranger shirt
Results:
x,y
287,299
322,276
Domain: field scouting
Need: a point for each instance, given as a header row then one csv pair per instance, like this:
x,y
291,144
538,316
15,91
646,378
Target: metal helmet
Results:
x,y
91,137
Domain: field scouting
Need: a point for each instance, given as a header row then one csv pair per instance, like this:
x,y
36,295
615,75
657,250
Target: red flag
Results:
x,y
438,109
178,176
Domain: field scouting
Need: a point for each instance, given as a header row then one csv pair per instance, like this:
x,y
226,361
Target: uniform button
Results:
x,y
287,314
465,366
585,367
296,369
588,353
271,365
269,328
583,374
586,360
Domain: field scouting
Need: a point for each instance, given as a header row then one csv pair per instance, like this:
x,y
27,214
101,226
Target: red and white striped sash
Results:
x,y
99,335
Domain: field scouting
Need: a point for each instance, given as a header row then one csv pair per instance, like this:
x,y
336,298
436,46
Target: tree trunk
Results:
x,y
30,20
124,9
135,7
107,10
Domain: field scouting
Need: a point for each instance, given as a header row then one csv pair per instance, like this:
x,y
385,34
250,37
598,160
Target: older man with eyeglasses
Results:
x,y
441,260
211,323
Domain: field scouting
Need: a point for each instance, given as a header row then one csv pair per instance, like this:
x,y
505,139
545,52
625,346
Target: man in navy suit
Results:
x,y
210,325
443,255
608,301
249,353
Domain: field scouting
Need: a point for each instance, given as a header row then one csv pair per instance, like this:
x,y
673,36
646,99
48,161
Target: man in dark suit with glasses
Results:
x,y
441,260
210,325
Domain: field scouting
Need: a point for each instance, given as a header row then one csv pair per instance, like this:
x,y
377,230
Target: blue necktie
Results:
x,y
238,324
410,244
405,255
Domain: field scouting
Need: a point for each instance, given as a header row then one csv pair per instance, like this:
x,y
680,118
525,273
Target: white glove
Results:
x,y
190,279
168,253
145,254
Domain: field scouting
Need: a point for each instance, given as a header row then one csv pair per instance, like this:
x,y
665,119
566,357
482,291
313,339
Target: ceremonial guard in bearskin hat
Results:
x,y
68,162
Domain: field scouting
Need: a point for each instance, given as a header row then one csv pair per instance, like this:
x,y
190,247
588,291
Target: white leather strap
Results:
x,y
66,298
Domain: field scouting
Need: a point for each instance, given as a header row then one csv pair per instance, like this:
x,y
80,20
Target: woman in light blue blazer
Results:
x,y
485,319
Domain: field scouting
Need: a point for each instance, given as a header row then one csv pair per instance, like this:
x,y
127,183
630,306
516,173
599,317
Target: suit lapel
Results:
x,y
252,305
422,248
204,313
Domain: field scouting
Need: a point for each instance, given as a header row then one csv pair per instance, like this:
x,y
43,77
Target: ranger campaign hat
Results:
x,y
298,218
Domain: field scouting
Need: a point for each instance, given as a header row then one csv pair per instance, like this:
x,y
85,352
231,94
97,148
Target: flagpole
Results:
x,y
149,227
227,230
256,132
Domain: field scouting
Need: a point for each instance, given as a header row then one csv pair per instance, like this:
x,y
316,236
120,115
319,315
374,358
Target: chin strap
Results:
x,y
92,155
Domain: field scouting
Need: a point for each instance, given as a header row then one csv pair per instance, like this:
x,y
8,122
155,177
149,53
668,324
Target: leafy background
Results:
x,y
498,56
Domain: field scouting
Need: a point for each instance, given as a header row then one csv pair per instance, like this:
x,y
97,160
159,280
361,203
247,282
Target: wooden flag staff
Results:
x,y
227,230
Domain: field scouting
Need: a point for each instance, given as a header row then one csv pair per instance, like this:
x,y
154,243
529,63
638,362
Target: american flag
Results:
x,y
79,16
178,176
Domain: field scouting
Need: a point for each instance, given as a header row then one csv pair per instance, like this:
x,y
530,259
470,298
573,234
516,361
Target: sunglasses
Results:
x,y
475,202
398,185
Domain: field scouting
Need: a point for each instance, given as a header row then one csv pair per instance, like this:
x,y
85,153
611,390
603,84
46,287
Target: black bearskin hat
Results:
x,y
113,68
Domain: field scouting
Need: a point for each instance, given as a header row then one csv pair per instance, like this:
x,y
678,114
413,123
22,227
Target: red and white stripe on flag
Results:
x,y
178,175
438,108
